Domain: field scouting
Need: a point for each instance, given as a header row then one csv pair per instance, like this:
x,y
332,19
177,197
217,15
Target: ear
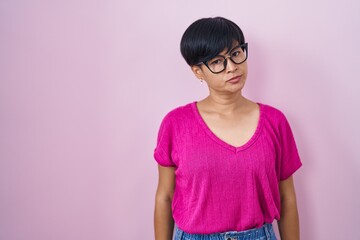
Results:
x,y
197,72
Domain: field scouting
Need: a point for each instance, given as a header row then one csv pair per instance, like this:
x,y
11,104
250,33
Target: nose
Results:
x,y
230,66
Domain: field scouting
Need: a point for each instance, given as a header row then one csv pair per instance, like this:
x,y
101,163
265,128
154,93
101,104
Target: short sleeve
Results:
x,y
165,143
289,158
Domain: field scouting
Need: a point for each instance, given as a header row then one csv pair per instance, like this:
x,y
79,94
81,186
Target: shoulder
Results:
x,y
272,113
276,118
178,113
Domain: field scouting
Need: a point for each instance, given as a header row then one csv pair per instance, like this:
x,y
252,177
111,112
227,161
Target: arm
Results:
x,y
289,219
163,221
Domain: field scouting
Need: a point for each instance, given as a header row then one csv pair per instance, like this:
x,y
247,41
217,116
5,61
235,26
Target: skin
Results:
x,y
163,221
226,112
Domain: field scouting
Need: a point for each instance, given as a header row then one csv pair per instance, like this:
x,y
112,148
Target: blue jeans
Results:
x,y
266,232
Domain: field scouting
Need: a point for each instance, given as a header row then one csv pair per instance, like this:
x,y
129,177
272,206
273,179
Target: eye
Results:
x,y
216,61
237,52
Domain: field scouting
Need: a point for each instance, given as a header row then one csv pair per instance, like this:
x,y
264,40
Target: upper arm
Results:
x,y
287,189
166,183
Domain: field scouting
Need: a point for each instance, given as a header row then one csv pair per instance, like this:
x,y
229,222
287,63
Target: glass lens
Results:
x,y
238,55
216,64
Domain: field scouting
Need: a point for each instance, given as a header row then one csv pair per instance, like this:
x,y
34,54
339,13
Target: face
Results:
x,y
232,79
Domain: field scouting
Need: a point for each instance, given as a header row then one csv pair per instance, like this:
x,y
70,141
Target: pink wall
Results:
x,y
84,85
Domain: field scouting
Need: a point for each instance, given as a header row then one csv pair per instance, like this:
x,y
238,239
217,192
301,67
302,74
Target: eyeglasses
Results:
x,y
237,55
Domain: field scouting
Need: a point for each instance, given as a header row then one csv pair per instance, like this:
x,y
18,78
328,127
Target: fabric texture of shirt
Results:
x,y
220,187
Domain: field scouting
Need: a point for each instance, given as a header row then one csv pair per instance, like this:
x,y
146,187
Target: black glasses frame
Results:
x,y
244,46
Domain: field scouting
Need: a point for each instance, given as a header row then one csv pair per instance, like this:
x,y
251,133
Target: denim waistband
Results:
x,y
265,232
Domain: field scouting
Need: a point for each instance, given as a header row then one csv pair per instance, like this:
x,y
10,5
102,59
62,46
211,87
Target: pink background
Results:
x,y
85,84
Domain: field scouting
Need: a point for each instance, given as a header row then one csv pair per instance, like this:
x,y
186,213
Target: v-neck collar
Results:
x,y
222,142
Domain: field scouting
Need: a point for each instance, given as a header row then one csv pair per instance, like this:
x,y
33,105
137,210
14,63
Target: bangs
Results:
x,y
217,38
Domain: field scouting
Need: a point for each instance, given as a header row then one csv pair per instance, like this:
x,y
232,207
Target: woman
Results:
x,y
225,162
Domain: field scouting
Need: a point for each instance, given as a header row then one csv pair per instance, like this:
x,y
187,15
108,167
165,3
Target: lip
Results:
x,y
234,79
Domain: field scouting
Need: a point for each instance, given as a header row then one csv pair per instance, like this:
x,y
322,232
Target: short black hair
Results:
x,y
207,37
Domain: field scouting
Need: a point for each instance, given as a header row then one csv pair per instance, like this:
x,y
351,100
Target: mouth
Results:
x,y
234,79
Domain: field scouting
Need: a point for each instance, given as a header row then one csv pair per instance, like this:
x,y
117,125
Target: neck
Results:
x,y
226,104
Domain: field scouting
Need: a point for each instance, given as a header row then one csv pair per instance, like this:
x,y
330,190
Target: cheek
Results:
x,y
244,67
212,78
244,71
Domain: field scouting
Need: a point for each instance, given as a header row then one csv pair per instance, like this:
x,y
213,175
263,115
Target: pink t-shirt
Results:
x,y
220,187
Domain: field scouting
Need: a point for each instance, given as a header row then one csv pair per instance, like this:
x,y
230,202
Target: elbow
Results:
x,y
164,197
